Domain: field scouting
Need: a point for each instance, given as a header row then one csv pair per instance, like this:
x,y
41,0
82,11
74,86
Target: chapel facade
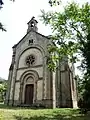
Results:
x,y
31,82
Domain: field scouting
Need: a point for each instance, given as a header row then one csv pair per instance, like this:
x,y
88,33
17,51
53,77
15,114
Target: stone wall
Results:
x,y
39,89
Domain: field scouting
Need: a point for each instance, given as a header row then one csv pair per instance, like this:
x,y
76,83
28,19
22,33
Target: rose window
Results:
x,y
30,60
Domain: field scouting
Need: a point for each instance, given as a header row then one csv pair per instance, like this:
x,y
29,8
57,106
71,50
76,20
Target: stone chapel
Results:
x,y
30,82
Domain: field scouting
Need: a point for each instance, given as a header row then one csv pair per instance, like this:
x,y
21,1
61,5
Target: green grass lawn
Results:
x,y
15,113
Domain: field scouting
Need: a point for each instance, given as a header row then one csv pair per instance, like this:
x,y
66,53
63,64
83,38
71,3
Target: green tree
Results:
x,y
3,87
71,37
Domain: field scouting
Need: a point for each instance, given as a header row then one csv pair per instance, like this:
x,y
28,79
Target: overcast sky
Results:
x,y
15,16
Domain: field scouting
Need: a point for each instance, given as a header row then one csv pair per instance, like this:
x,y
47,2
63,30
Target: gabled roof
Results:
x,y
27,34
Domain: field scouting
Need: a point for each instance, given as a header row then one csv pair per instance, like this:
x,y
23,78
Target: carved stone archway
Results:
x,y
28,77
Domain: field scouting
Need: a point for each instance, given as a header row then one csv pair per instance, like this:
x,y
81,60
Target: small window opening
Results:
x,y
31,41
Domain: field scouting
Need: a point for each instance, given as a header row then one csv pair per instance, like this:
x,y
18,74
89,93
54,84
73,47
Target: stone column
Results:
x,y
9,87
54,89
44,78
13,75
73,91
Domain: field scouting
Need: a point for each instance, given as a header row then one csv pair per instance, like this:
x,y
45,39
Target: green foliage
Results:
x,y
3,88
70,28
71,37
80,86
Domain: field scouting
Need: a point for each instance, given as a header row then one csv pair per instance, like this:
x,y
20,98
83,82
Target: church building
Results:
x,y
30,82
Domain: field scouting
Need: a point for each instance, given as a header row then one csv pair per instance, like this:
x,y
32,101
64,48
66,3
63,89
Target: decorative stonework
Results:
x,y
30,60
24,80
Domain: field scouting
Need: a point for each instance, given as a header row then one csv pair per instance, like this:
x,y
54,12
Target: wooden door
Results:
x,y
29,94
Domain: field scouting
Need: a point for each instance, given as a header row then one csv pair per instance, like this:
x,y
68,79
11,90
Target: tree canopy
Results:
x,y
71,29
71,36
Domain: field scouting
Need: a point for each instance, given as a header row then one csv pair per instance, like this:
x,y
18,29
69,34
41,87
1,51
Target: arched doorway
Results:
x,y
29,90
28,87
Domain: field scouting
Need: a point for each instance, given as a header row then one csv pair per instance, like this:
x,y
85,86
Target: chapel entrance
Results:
x,y
29,90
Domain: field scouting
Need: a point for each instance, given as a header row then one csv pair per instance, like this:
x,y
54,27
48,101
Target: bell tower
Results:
x,y
32,25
